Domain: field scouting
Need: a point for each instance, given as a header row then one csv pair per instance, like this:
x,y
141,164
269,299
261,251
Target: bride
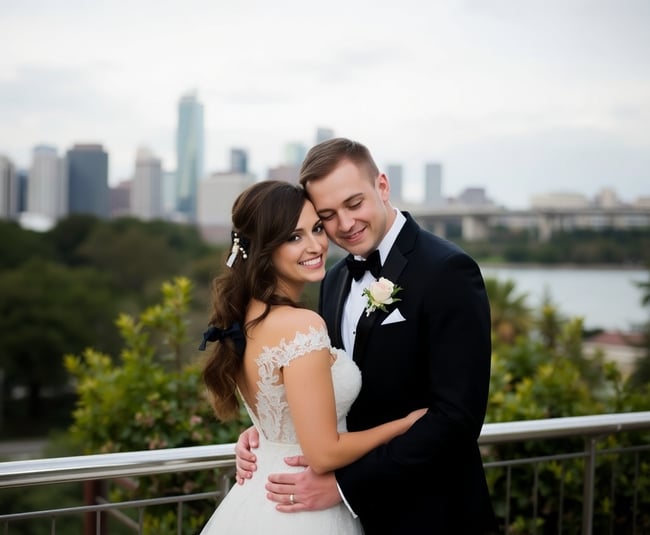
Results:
x,y
275,355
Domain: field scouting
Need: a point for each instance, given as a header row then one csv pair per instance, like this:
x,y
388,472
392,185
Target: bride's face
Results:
x,y
302,257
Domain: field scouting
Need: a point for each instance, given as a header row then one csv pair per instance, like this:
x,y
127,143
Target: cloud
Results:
x,y
497,90
512,168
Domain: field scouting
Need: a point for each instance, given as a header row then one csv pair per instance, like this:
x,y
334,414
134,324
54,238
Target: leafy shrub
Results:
x,y
151,398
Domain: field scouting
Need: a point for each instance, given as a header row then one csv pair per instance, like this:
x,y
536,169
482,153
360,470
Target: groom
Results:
x,y
429,348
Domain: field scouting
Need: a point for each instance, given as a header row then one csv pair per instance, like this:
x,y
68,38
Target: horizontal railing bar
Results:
x,y
563,456
578,426
119,516
139,463
624,449
533,460
107,506
108,465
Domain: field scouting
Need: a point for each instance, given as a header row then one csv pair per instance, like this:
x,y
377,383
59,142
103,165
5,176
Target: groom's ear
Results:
x,y
383,186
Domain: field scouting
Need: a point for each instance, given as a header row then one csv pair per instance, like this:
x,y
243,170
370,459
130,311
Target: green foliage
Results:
x,y
151,398
138,379
47,310
20,245
60,292
511,316
606,246
69,234
641,375
544,373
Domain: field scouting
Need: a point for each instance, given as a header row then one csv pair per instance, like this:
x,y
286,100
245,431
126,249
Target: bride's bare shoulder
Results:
x,y
290,320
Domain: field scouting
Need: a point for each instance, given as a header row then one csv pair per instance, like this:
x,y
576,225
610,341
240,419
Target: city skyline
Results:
x,y
520,98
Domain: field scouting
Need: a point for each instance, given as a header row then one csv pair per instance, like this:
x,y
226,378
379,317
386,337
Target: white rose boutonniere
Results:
x,y
379,294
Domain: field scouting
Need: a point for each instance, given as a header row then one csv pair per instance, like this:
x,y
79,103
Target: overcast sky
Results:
x,y
516,96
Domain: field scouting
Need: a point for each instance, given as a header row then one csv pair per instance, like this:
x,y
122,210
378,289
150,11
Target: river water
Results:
x,y
606,298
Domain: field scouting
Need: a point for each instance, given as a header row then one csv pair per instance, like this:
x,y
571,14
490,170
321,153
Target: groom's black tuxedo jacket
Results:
x,y
430,479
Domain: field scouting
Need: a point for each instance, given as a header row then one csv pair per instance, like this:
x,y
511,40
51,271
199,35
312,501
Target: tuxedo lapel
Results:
x,y
391,270
333,313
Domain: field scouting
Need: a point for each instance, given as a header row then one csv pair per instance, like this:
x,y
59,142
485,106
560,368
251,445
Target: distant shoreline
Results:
x,y
594,267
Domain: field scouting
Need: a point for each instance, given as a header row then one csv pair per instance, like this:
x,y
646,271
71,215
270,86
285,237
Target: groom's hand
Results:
x,y
302,491
244,458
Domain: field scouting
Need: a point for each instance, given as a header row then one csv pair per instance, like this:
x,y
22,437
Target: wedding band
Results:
x,y
292,499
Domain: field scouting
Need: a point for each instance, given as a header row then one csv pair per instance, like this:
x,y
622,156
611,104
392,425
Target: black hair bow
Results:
x,y
233,332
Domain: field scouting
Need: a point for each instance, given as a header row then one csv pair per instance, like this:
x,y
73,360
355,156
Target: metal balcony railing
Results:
x,y
115,466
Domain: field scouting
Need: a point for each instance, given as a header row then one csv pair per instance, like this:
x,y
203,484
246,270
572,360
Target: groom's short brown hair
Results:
x,y
323,158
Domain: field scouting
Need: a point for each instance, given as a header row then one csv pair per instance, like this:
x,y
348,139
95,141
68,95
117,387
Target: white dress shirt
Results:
x,y
356,301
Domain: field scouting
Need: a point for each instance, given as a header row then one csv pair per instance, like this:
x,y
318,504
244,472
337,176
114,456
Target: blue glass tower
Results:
x,y
189,154
87,169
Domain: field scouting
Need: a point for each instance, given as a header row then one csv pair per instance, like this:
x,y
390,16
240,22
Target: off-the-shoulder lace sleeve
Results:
x,y
303,343
272,407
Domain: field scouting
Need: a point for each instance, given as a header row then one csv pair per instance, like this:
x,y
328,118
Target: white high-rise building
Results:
x,y
217,193
294,154
147,188
8,189
47,184
433,184
607,198
169,193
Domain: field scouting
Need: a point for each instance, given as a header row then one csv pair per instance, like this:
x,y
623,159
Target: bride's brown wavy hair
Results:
x,y
264,216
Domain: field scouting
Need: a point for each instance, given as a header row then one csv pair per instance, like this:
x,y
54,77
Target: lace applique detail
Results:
x,y
272,407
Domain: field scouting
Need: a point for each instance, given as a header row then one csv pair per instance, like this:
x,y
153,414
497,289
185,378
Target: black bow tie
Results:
x,y
359,267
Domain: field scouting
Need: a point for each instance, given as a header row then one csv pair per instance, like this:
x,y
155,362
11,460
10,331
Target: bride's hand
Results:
x,y
414,416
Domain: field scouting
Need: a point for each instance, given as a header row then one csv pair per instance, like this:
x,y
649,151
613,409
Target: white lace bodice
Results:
x,y
273,417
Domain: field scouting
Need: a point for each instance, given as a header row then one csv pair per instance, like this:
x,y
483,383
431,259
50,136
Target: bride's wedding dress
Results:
x,y
245,509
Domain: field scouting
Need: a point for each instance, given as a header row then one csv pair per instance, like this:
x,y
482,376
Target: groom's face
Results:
x,y
353,207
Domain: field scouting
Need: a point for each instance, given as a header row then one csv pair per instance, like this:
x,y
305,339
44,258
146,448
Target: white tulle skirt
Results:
x,y
246,510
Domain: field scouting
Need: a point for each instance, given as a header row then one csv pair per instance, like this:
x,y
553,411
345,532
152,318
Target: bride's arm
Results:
x,y
310,394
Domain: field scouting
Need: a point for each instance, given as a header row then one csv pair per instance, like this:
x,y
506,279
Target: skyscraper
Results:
x,y
238,161
87,172
214,204
294,154
323,134
120,199
22,176
394,173
47,186
189,154
147,188
433,184
8,189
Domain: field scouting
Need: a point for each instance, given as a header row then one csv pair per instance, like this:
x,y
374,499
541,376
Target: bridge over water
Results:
x,y
475,221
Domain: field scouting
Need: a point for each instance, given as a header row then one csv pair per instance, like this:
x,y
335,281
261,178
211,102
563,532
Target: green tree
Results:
x,y
69,234
547,375
151,397
641,374
47,310
20,245
511,316
141,255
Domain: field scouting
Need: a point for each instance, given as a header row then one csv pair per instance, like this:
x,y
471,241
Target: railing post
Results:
x,y
92,489
588,489
225,484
